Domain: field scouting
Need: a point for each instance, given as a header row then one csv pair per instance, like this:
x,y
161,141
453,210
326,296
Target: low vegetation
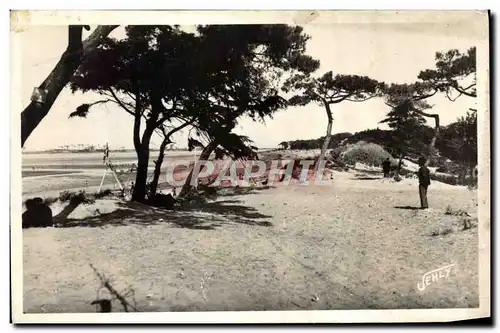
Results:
x,y
361,152
79,197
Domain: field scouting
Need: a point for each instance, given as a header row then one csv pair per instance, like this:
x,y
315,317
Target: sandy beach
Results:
x,y
355,243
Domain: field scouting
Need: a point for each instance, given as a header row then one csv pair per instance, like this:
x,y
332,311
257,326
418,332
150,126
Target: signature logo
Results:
x,y
434,276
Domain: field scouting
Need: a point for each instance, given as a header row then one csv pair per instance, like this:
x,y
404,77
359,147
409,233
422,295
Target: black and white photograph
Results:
x,y
250,167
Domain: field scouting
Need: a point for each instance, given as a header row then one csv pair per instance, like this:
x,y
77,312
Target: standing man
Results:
x,y
386,166
424,180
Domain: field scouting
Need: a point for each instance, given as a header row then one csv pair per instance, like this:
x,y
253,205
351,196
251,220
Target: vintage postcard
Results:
x,y
250,167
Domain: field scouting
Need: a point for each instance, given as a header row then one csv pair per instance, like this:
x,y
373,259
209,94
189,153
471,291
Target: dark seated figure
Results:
x,y
37,214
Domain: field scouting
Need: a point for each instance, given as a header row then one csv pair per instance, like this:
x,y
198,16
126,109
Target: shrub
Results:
x,y
193,198
442,231
473,186
297,166
444,165
465,220
65,196
335,153
366,153
442,169
456,212
73,198
445,178
49,201
335,158
103,194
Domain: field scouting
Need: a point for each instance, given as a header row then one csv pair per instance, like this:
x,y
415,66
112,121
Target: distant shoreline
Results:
x,y
70,151
76,151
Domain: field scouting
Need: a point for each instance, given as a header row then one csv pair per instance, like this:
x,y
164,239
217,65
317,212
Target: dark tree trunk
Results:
x,y
204,156
400,163
141,178
158,163
161,156
60,76
328,133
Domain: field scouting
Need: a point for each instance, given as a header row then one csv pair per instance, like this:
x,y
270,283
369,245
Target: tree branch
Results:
x,y
464,90
335,101
178,128
361,100
421,97
429,115
100,101
137,122
105,283
130,95
165,116
450,98
119,102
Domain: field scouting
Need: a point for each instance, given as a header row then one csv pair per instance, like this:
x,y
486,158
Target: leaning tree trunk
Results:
x,y
61,75
432,146
328,133
204,156
400,163
436,134
157,171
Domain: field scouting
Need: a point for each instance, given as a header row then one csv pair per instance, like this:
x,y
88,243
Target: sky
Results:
x,y
394,52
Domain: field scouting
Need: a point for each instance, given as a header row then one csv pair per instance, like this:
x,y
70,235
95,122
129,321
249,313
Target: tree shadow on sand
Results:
x,y
234,191
367,175
204,216
408,207
366,178
367,171
236,213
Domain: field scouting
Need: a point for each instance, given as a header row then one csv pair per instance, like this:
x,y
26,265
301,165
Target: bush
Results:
x,y
442,164
445,178
73,198
405,172
335,158
366,153
49,201
297,166
192,198
102,194
335,153
456,212
442,169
